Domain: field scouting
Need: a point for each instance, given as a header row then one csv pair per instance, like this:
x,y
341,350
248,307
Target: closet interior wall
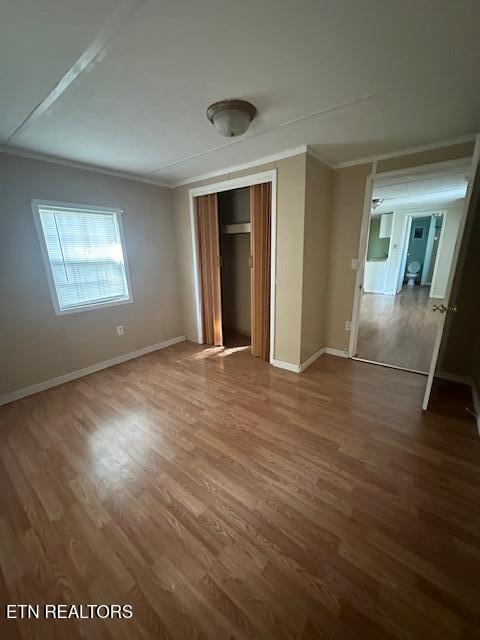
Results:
x,y
235,250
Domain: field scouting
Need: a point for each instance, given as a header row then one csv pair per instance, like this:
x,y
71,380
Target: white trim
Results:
x,y
288,366
146,177
84,166
312,152
69,206
362,255
228,185
80,373
470,137
340,353
196,270
234,183
311,359
77,206
441,242
240,167
420,172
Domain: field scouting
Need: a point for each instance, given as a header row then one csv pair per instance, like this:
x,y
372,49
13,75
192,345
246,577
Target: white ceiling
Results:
x,y
422,191
133,78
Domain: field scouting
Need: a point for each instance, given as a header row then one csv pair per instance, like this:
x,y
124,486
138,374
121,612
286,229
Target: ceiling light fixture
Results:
x,y
231,117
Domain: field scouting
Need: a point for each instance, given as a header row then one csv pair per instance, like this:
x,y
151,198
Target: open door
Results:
x,y
261,221
449,303
209,263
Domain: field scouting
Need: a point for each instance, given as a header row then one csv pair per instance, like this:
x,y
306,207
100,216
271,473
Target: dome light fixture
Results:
x,y
231,118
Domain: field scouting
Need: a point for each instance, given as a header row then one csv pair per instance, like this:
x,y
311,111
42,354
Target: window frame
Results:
x,y
74,206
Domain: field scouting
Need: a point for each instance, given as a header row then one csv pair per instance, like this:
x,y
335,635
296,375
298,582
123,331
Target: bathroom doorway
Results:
x,y
413,228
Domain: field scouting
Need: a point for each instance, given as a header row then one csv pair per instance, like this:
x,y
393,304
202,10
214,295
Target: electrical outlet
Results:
x,y
348,325
120,330
354,264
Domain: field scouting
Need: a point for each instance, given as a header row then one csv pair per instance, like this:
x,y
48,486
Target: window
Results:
x,y
84,255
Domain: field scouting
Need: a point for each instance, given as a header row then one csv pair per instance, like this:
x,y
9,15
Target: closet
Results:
x,y
233,234
234,218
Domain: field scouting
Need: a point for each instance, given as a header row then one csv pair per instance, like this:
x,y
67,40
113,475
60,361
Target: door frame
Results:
x,y
229,185
361,260
409,174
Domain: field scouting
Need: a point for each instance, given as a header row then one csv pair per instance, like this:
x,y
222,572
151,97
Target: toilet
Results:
x,y
413,271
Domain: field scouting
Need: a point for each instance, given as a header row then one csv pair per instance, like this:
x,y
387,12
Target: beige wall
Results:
x,y
289,276
442,154
318,204
290,233
37,345
346,221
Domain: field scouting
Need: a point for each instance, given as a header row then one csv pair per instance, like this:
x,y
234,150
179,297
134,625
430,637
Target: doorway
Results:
x,y
414,222
234,263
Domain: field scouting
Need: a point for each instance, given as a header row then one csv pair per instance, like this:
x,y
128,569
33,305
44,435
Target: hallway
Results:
x,y
398,330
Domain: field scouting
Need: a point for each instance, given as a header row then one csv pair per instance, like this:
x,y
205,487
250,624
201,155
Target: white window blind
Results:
x,y
85,256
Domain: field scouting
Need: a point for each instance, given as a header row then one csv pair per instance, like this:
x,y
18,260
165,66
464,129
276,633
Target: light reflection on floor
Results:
x,y
217,352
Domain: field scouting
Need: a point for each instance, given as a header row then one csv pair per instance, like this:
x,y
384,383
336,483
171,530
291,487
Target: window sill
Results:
x,y
91,307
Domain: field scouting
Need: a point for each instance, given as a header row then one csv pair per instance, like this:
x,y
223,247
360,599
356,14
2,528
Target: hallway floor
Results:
x,y
398,330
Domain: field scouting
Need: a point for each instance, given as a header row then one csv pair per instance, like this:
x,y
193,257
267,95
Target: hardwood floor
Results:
x,y
223,498
398,330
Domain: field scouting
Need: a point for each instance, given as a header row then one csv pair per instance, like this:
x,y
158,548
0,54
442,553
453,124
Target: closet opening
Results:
x,y
233,235
235,254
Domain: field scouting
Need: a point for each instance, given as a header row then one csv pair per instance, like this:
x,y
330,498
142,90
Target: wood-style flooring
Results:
x,y
398,330
224,498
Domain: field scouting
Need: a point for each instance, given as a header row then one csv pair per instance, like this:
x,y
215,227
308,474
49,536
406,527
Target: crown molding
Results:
x,y
34,155
408,151
312,152
240,167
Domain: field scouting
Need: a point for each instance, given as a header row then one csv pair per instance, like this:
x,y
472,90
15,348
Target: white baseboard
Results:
x,y
285,365
79,373
311,359
300,368
336,352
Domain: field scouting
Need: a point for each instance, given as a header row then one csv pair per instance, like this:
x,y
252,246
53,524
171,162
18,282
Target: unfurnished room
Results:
x,y
239,337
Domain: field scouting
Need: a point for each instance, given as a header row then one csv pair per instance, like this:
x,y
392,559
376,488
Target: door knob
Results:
x,y
443,309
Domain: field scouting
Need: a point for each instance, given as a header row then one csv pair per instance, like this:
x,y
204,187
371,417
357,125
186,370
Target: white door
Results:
x,y
449,301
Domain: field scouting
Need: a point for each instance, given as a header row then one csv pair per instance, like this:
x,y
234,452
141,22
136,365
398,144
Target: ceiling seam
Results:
x,y
112,27
385,90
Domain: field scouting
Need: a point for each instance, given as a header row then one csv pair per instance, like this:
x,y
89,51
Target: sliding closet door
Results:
x,y
260,219
209,254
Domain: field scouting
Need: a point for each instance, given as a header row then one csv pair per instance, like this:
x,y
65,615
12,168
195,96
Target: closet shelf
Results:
x,y
229,229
